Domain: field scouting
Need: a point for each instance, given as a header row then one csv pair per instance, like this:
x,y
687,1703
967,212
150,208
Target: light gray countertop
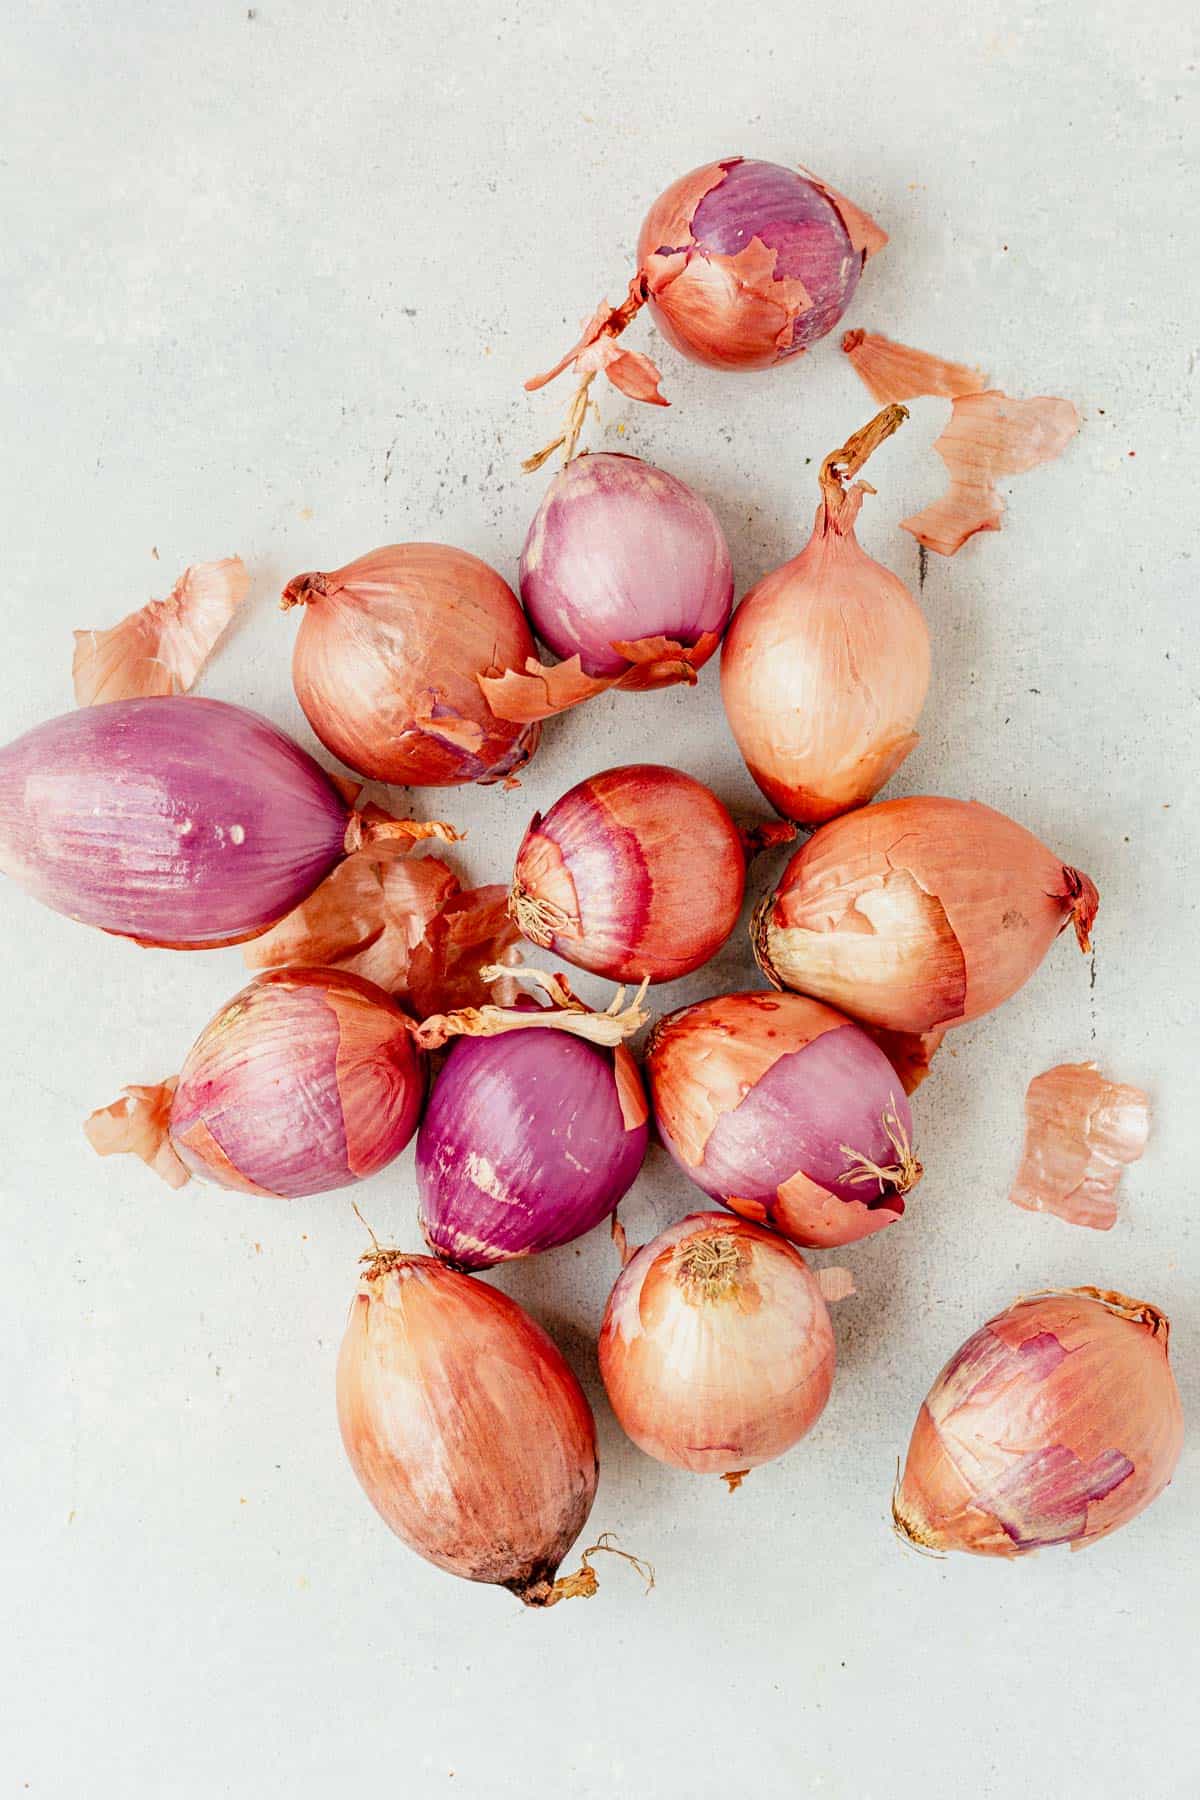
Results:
x,y
271,279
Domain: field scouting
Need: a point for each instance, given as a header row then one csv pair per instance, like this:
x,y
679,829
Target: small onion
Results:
x,y
620,551
531,1136
786,1112
181,822
920,913
716,1347
637,873
470,1435
307,1080
744,264
825,667
388,659
1056,1423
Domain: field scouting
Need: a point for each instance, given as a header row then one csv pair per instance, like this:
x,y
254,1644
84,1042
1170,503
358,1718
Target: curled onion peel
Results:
x,y
161,648
716,1349
531,1137
626,575
470,1435
636,874
784,1111
919,913
989,434
388,659
743,263
825,667
305,1081
1056,1423
1081,1131
178,821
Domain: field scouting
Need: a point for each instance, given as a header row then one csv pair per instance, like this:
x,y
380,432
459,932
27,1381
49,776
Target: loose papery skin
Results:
x,y
786,1112
989,434
1056,1423
305,1081
825,667
918,913
470,1435
636,873
161,648
523,1146
178,821
388,659
1081,1131
716,1349
626,575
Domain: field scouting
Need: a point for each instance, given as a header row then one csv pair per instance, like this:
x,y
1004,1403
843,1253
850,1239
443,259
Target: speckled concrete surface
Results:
x,y
271,280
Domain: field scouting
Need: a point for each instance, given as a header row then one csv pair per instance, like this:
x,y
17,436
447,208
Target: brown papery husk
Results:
x,y
566,1013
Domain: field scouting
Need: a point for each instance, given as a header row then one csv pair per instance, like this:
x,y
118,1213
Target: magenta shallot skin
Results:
x,y
786,1112
308,1080
178,821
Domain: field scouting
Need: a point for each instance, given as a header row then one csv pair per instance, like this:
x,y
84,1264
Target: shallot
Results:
x,y
470,1435
920,913
307,1080
637,873
388,659
1055,1423
743,264
716,1349
625,575
181,822
786,1112
531,1136
825,667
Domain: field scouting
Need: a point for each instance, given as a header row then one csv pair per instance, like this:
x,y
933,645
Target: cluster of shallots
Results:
x,y
388,1002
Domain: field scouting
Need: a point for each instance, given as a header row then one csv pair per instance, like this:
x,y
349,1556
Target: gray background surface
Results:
x,y
269,283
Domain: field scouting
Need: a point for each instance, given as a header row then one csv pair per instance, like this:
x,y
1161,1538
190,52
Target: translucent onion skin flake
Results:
x,y
1081,1131
161,648
1056,1423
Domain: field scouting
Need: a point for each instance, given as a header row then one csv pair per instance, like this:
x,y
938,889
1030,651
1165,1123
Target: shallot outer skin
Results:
x,y
174,820
523,1147
619,551
470,1435
638,872
307,1080
918,913
716,1349
786,1112
1056,1423
387,660
746,263
824,672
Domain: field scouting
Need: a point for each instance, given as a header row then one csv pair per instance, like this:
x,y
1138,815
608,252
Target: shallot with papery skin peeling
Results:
x,y
161,648
626,575
637,873
915,914
180,822
388,659
1081,1131
307,1080
716,1349
825,667
470,1435
1056,1423
786,1112
743,263
533,1133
